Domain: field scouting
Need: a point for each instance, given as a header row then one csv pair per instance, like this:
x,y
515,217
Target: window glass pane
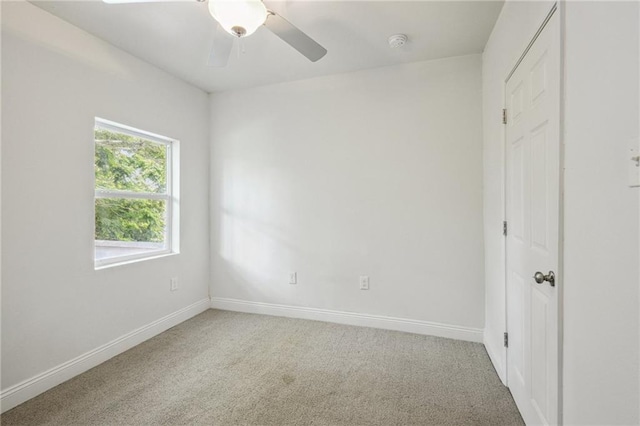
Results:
x,y
129,163
129,226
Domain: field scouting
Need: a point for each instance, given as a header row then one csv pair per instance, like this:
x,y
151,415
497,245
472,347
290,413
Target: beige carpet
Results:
x,y
226,368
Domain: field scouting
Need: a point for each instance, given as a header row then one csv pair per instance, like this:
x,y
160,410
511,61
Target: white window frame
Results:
x,y
172,213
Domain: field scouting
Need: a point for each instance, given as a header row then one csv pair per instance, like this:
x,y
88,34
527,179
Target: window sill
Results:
x,y
127,261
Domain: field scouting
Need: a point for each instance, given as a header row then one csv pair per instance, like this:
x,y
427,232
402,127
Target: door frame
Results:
x,y
559,9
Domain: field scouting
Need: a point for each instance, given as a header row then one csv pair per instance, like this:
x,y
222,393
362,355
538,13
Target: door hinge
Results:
x,y
504,116
504,228
506,339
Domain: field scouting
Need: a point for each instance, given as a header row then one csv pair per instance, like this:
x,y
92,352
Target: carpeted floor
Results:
x,y
227,368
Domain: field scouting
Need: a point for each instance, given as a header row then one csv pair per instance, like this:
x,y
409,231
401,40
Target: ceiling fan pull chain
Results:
x,y
240,47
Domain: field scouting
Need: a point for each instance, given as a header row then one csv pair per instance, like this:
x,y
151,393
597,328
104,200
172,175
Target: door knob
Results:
x,y
550,278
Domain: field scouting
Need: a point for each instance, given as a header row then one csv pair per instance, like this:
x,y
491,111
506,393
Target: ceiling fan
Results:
x,y
241,18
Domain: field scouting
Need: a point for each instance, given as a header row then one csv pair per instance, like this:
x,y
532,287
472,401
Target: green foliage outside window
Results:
x,y
128,163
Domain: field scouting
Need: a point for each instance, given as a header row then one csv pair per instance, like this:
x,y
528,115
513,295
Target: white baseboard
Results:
x,y
496,359
350,318
36,385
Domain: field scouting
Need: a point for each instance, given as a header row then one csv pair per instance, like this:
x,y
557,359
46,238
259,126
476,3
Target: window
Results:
x,y
136,206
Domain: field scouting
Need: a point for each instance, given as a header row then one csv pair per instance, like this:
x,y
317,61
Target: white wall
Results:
x,y
601,371
601,277
374,173
55,80
516,26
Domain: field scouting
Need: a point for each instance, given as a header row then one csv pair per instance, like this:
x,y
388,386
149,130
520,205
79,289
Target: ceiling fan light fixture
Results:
x,y
239,18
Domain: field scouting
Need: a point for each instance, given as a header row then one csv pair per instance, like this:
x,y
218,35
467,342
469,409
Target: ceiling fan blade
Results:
x,y
221,50
294,37
145,1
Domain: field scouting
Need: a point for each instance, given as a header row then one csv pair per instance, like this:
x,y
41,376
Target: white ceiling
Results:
x,y
177,37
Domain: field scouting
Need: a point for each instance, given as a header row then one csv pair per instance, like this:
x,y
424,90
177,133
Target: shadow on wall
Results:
x,y
250,243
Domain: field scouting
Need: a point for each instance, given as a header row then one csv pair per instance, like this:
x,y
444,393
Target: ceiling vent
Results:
x,y
397,40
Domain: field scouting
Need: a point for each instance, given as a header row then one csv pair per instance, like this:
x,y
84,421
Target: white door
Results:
x,y
532,210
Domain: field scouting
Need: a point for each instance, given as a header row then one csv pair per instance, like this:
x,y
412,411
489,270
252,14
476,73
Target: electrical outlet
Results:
x,y
174,284
364,282
293,278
